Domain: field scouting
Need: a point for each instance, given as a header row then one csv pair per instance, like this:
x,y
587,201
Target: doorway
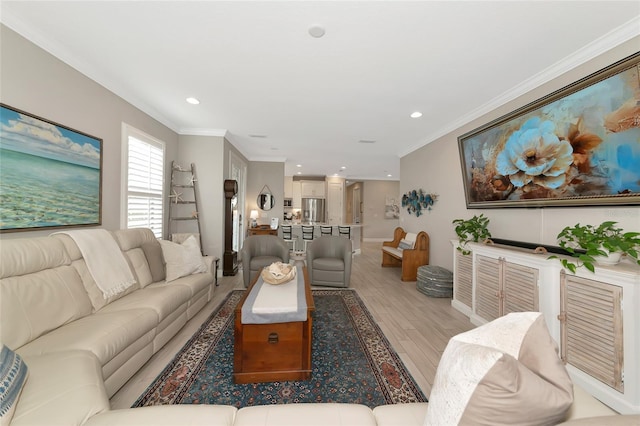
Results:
x,y
238,172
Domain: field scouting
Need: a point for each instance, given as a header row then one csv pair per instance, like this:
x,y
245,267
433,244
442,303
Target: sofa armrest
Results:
x,y
167,415
407,414
211,265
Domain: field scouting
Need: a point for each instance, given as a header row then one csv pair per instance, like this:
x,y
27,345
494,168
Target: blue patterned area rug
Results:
x,y
352,363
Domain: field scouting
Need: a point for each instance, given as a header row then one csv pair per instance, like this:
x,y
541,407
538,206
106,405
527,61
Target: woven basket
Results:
x,y
278,273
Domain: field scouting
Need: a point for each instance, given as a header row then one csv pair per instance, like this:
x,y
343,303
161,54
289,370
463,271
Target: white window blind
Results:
x,y
145,183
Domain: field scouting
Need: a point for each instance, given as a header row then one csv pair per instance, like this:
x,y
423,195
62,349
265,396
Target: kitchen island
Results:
x,y
356,233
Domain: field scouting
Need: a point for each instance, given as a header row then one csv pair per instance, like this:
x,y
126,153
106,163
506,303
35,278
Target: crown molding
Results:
x,y
268,159
203,132
592,50
61,53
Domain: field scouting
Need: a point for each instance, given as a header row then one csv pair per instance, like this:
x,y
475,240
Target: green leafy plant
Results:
x,y
471,230
586,243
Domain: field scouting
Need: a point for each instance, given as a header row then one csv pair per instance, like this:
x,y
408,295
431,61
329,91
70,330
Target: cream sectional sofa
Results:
x,y
80,348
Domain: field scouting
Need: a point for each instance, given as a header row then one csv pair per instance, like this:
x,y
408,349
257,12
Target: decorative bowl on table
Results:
x,y
278,273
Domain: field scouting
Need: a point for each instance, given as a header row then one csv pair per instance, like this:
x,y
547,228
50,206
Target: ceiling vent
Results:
x,y
366,141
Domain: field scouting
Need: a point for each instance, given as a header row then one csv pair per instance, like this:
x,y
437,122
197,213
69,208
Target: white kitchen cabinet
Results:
x,y
593,317
591,332
503,287
463,283
288,187
312,189
297,194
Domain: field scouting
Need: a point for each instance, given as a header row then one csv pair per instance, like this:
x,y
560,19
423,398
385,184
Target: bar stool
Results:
x,y
344,231
287,236
326,230
307,235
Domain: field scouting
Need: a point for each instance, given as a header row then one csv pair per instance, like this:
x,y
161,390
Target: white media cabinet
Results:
x,y
594,317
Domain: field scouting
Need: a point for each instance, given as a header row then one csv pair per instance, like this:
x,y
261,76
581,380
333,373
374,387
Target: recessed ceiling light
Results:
x,y
389,175
343,167
416,114
193,101
298,165
366,141
299,173
316,31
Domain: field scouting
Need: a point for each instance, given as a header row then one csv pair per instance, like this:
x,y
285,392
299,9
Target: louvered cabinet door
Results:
x,y
463,288
520,288
488,279
591,328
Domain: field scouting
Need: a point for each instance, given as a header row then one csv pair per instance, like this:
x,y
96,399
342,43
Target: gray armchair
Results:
x,y
329,261
259,251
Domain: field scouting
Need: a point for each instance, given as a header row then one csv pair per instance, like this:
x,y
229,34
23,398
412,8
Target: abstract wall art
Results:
x,y
417,200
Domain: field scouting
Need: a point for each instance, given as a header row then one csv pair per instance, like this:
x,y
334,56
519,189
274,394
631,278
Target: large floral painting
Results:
x,y
577,146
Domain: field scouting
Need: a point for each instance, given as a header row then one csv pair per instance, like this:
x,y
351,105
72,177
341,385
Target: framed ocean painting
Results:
x,y
50,175
579,146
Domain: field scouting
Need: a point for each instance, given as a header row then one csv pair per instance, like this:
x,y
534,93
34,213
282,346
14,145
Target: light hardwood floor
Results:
x,y
417,326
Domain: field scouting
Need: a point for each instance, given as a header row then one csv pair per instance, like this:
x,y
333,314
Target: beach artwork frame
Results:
x,y
578,146
50,174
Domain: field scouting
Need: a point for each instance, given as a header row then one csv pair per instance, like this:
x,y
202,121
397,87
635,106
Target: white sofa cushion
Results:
x,y
182,259
43,293
24,256
67,386
105,334
131,242
153,253
167,415
309,414
163,299
96,296
503,373
13,375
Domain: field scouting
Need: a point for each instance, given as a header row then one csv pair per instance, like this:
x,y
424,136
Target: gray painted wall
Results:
x,y
263,173
207,153
374,195
436,168
36,82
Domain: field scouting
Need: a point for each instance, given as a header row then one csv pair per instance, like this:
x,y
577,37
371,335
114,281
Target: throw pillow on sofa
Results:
x,y
503,373
13,375
182,259
153,252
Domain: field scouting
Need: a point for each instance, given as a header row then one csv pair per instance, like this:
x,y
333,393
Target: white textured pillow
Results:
x,y
13,375
182,259
505,372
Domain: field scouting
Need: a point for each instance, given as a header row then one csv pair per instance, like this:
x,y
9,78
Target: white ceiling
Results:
x,y
257,71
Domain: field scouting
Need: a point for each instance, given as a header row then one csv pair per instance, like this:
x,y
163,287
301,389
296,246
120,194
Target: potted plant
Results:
x,y
471,230
602,244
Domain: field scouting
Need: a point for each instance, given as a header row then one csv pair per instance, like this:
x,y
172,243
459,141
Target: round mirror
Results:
x,y
266,201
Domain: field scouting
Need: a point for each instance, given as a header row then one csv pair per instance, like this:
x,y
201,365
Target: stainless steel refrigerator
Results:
x,y
313,210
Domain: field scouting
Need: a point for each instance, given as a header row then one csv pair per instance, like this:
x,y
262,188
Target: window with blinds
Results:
x,y
145,183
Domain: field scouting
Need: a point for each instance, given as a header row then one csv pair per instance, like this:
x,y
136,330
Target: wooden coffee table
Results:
x,y
273,352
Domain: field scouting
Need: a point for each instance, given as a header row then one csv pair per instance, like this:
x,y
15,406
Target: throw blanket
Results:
x,y
268,304
104,259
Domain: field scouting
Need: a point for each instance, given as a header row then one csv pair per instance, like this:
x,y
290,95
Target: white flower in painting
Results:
x,y
534,153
